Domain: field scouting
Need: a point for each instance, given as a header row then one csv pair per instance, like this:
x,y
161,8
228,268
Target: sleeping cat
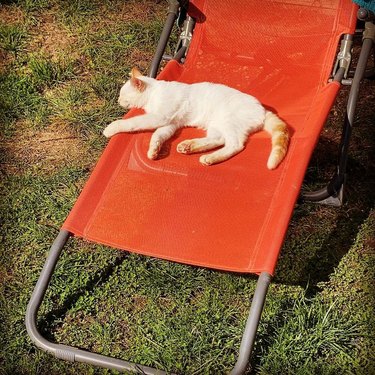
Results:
x,y
228,116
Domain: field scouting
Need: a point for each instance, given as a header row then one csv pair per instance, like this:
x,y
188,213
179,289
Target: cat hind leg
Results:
x,y
213,140
221,155
191,146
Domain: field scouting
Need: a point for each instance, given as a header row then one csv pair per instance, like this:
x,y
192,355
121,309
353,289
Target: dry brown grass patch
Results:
x,y
141,11
11,15
47,149
51,38
141,59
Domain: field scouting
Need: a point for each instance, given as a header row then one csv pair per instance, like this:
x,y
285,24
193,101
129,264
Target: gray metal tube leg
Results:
x,y
61,351
173,10
251,328
73,354
40,290
332,193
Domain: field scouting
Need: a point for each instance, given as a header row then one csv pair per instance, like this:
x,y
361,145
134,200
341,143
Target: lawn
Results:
x,y
61,66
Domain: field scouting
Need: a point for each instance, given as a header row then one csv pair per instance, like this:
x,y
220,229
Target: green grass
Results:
x,y
12,37
113,44
334,331
318,317
30,6
47,73
22,87
19,100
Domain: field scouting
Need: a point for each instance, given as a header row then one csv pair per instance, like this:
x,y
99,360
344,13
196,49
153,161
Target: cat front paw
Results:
x,y
153,151
110,130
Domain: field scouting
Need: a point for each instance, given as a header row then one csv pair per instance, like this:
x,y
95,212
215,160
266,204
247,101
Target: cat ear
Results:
x,y
135,81
135,73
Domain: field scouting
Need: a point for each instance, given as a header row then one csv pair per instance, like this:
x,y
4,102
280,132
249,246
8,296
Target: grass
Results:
x,y
46,73
12,37
63,63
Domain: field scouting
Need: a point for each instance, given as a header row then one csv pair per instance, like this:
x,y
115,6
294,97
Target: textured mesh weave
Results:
x,y
231,216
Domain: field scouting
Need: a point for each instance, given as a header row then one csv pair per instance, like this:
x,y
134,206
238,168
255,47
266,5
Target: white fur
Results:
x,y
228,116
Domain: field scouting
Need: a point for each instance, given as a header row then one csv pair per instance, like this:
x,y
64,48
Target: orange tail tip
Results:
x,y
278,130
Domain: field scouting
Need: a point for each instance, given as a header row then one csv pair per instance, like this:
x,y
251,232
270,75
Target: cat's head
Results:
x,y
132,92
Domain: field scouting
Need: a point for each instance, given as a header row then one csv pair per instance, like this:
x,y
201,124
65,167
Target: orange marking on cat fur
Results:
x,y
280,139
134,78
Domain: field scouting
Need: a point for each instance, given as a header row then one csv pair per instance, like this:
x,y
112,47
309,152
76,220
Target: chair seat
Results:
x,y
234,215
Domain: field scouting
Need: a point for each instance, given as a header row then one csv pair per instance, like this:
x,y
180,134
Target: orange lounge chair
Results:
x,y
232,216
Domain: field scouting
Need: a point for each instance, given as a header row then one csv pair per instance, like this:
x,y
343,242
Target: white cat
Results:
x,y
228,116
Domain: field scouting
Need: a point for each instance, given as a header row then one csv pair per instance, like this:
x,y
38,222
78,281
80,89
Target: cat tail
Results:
x,y
278,130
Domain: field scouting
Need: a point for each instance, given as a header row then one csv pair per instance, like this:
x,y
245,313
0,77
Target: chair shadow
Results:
x,y
308,270
311,252
54,318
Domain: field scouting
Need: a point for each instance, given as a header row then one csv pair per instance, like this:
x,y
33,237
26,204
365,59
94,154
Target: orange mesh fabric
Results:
x,y
231,216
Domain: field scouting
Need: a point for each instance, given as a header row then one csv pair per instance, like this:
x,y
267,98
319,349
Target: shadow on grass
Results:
x,y
320,236
55,317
